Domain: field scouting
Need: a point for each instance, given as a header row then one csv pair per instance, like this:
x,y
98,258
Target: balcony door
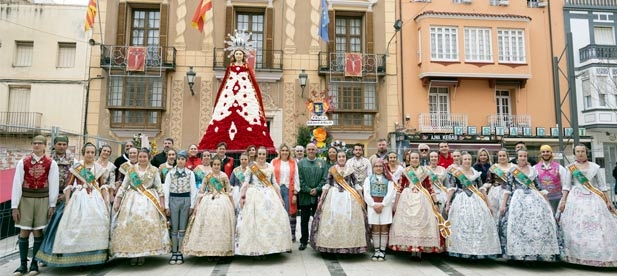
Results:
x,y
19,106
504,107
439,107
348,38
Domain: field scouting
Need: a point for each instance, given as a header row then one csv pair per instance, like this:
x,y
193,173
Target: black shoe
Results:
x,y
21,270
302,246
34,269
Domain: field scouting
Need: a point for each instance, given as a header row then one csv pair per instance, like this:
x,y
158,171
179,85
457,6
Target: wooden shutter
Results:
x,y
331,31
163,28
229,28
370,39
269,43
121,26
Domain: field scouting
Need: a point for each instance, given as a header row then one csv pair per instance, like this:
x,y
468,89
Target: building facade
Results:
x,y
479,73
43,69
157,101
592,26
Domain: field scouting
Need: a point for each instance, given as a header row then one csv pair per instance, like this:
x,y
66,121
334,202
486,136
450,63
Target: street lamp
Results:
x,y
398,24
303,77
190,77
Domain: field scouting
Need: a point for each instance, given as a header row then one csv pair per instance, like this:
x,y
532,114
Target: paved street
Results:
x,y
309,262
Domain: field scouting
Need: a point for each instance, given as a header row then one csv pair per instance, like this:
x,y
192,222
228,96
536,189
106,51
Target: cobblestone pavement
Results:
x,y
309,262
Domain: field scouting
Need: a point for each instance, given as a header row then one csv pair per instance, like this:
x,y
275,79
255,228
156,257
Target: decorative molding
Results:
x,y
474,75
180,23
175,116
368,4
290,28
205,105
261,76
266,98
289,113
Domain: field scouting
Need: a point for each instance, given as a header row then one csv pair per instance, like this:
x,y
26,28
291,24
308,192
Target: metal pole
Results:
x,y
572,89
557,96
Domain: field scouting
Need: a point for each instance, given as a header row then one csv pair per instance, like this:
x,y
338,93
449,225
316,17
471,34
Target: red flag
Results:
x,y
200,14
90,14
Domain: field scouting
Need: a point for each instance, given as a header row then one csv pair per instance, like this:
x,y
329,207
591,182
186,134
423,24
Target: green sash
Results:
x,y
468,183
499,172
523,178
215,183
136,183
580,177
82,173
435,180
444,225
239,174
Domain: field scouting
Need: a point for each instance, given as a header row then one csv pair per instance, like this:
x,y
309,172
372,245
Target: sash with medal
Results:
x,y
239,175
216,185
524,179
444,225
435,180
499,172
341,181
467,183
580,177
136,183
124,168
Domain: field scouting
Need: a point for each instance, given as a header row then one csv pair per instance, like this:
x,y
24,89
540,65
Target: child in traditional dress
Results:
x,y
379,195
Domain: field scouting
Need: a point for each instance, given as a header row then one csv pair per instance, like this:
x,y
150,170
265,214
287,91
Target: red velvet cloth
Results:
x,y
36,175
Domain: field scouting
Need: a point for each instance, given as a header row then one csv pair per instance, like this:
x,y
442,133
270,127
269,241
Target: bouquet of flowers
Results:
x,y
320,137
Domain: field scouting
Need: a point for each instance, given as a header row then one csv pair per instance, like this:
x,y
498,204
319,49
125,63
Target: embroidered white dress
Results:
x,y
388,194
589,229
497,189
474,234
529,227
263,224
440,193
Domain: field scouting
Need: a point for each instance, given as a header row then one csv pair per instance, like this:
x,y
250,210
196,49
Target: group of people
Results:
x,y
92,210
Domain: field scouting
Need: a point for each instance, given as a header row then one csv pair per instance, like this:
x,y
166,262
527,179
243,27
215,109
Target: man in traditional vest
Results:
x,y
65,160
552,175
33,200
361,165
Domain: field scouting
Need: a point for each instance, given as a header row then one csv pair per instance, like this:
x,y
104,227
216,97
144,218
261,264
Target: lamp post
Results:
x,y
190,77
303,77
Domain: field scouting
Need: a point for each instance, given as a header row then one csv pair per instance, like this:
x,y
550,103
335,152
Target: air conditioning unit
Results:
x,y
504,2
466,1
542,4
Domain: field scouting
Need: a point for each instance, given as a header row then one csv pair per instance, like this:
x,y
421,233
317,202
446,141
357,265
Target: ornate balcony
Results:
x,y
441,122
20,122
156,58
266,60
593,51
508,121
334,63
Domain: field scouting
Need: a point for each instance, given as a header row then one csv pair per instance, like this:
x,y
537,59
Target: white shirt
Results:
x,y
53,180
284,175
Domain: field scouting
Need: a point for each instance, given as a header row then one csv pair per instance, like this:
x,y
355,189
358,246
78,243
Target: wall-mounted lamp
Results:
x,y
398,24
190,77
93,42
303,77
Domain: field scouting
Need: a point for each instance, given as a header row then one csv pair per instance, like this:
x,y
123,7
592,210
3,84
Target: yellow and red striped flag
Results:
x,y
90,14
200,14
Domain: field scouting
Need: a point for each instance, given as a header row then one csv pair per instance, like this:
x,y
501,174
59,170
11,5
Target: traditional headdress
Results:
x,y
240,41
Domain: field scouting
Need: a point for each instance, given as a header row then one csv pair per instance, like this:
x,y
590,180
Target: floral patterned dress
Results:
x,y
139,229
528,230
589,229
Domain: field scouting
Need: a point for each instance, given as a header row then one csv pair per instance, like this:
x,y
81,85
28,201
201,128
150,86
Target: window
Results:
x,y
478,44
586,83
502,98
439,100
604,35
603,17
348,34
145,32
355,104
511,45
253,22
136,102
66,54
602,99
444,43
23,53
19,110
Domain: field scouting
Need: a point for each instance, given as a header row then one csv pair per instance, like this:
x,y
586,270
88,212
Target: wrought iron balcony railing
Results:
x,y
156,58
264,60
508,121
591,3
593,51
335,62
20,122
441,122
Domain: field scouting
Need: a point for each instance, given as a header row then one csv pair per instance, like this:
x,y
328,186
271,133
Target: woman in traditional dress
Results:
x,y
167,166
496,185
237,179
140,226
474,234
263,223
588,219
181,194
379,193
194,159
528,230
124,168
109,176
393,169
286,174
203,169
415,226
82,236
211,231
439,178
339,224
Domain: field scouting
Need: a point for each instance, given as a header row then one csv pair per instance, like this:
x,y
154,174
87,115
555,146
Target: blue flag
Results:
x,y
325,20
